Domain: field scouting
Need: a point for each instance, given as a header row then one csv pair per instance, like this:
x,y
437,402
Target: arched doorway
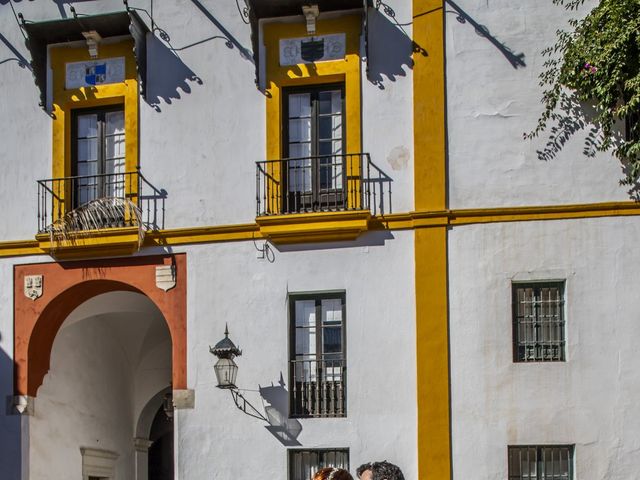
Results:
x,y
161,449
100,339
109,356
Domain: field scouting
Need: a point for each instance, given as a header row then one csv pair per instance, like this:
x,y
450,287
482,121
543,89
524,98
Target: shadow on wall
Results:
x,y
285,429
18,57
231,40
370,239
166,74
515,59
390,50
572,117
10,423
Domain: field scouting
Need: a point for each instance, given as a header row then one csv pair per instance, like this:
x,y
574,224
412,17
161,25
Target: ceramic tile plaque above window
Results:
x,y
94,72
312,49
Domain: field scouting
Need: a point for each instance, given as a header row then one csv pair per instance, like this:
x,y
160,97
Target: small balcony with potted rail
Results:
x,y
319,198
95,215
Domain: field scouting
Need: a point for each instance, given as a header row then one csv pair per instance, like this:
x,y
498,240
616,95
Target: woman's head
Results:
x,y
330,473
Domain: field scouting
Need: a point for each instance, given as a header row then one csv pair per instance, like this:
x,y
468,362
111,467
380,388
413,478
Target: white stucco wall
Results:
x,y
589,400
491,104
228,284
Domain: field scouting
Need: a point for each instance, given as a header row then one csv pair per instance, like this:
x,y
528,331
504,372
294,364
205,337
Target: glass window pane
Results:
x,y
299,105
300,130
331,340
88,169
87,149
306,341
305,313
331,310
115,146
329,102
300,150
299,176
88,125
539,322
515,459
114,122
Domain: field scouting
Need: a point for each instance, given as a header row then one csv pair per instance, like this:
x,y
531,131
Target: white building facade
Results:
x,y
345,191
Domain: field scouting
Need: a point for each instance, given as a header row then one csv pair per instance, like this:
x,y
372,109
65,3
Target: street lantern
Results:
x,y
167,405
225,368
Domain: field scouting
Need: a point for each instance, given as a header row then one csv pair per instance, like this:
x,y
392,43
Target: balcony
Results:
x,y
318,388
83,215
325,197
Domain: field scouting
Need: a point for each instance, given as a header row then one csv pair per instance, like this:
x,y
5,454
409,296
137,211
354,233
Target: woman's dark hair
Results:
x,y
381,471
331,473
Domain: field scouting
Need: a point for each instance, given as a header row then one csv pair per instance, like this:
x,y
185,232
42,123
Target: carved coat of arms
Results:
x,y
33,286
166,277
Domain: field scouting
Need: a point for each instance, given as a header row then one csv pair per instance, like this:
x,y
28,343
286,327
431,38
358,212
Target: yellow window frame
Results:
x,y
64,102
346,71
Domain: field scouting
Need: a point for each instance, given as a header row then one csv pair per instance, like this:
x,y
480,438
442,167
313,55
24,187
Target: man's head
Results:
x,y
379,471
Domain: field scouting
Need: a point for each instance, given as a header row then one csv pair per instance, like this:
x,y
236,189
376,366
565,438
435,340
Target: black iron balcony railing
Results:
x,y
318,388
324,183
58,197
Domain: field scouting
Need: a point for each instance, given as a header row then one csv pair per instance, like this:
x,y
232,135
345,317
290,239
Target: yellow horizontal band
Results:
x,y
396,221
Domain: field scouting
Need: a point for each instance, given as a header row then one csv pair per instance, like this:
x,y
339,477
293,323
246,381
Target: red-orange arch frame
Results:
x,y
69,284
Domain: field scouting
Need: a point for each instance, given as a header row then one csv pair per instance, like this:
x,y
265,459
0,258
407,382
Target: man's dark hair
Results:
x,y
381,471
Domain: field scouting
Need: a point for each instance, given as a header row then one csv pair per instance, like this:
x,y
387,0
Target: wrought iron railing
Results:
x,y
324,183
318,388
58,197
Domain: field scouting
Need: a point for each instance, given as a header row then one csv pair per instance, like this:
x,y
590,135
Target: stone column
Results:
x,y
141,446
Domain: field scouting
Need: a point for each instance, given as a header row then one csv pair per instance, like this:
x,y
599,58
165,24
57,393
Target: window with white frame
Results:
x,y
538,322
303,464
541,462
317,365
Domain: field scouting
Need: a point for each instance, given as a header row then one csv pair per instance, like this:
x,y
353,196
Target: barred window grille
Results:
x,y
303,464
539,325
317,365
541,462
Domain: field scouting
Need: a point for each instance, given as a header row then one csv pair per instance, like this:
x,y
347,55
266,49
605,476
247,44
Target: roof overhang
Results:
x,y
42,34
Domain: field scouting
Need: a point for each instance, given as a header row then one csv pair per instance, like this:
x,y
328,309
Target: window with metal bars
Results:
x,y
317,365
541,462
538,322
303,464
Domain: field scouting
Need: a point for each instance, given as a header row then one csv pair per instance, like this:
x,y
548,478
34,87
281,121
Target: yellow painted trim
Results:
x,y
397,221
347,70
19,248
432,340
316,227
186,236
430,199
429,106
93,243
65,101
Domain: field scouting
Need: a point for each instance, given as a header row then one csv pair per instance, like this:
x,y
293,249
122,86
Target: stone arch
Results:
x,y
68,285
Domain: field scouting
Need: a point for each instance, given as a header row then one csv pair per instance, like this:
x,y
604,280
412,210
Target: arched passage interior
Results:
x,y
109,357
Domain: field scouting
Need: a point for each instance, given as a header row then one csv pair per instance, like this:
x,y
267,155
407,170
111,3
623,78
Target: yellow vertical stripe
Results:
x,y
434,442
